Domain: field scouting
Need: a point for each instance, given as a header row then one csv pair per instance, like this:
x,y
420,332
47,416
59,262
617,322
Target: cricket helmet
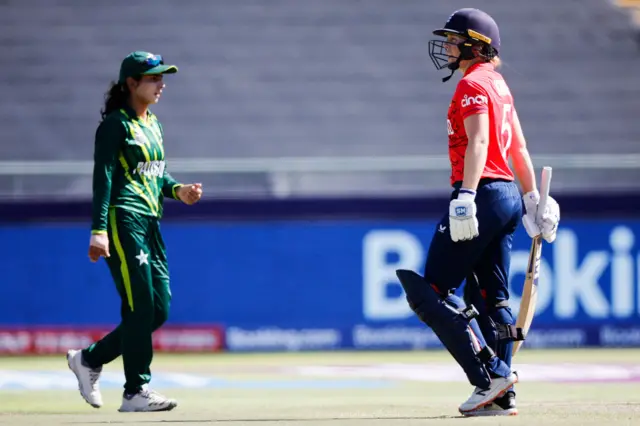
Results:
x,y
477,28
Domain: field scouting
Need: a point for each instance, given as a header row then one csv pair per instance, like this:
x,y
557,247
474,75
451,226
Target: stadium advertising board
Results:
x,y
307,285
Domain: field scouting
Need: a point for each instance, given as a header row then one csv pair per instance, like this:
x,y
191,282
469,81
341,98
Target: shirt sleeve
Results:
x,y
108,138
170,185
473,98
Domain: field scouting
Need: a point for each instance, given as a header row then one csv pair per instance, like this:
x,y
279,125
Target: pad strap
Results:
x,y
486,355
469,313
509,332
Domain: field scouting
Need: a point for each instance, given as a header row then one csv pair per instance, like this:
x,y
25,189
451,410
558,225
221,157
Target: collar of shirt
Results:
x,y
479,66
131,113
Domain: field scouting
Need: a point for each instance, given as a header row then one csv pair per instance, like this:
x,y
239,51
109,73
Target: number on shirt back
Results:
x,y
506,131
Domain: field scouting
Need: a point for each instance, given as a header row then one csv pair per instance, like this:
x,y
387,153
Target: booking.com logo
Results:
x,y
576,283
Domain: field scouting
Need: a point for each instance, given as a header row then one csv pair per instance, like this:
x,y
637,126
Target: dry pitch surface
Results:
x,y
578,387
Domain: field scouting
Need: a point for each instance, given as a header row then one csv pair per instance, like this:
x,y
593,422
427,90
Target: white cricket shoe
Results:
x,y
88,378
146,400
502,406
491,410
482,397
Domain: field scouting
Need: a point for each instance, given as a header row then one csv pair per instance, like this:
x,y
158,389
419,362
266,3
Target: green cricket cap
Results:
x,y
144,63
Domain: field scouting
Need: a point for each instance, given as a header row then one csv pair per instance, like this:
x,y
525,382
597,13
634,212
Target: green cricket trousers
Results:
x,y
138,265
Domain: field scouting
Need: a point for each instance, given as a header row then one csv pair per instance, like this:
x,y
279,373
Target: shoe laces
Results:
x,y
152,395
479,391
94,375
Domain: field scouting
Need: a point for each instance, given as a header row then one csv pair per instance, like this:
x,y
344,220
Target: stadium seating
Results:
x,y
312,78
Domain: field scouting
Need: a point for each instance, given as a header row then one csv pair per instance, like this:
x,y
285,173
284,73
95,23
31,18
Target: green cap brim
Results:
x,y
162,69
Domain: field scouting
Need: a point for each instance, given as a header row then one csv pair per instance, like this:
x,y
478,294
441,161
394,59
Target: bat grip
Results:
x,y
545,183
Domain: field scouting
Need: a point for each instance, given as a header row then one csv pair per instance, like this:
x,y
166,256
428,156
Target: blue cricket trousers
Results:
x,y
488,256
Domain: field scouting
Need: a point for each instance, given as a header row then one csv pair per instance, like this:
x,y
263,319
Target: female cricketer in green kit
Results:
x,y
130,182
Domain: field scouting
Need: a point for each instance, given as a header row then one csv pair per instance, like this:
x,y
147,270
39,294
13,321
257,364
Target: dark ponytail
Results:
x,y
116,98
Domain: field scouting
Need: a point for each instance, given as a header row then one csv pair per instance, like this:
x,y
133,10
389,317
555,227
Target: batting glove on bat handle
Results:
x,y
531,200
550,219
463,224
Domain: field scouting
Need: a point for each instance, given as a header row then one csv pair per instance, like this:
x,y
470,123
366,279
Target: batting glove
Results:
x,y
463,224
548,224
550,220
531,200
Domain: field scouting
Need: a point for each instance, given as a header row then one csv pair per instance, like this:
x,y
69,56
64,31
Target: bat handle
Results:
x,y
545,183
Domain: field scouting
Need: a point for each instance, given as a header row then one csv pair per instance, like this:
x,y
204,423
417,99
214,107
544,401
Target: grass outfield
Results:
x,y
357,389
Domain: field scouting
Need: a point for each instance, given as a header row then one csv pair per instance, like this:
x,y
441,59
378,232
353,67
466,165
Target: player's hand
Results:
x,y
550,220
531,200
98,247
463,224
548,224
190,193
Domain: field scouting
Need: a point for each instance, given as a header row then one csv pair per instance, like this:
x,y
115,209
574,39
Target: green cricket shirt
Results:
x,y
129,169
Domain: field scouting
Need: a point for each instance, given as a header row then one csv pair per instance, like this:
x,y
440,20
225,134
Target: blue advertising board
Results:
x,y
320,284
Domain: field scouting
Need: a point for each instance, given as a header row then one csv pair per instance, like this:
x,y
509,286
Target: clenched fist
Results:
x,y
190,193
98,246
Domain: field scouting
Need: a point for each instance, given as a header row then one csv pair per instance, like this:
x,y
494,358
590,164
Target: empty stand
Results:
x,y
311,78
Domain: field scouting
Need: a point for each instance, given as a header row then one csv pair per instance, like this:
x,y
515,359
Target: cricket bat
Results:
x,y
530,289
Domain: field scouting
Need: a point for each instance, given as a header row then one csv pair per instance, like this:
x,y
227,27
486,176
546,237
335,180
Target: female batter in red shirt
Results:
x,y
473,240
